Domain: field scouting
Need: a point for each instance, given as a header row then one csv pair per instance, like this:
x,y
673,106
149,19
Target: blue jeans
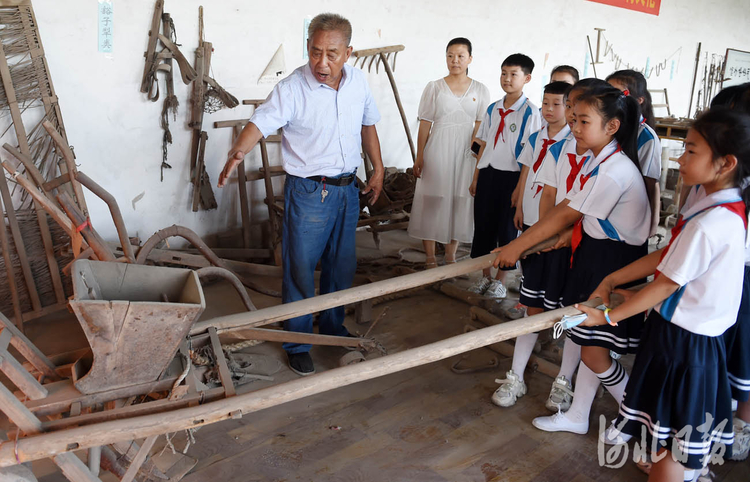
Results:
x,y
317,231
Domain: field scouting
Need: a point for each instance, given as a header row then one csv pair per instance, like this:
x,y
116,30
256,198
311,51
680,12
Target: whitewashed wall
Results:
x,y
116,133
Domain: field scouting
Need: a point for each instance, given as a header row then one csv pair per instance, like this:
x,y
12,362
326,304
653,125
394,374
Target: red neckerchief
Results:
x,y
542,153
575,241
575,169
503,114
737,207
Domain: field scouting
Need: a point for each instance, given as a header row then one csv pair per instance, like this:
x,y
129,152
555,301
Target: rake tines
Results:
x,y
377,55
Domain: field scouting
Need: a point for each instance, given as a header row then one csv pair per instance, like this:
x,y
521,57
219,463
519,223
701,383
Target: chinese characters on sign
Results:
x,y
741,74
106,26
645,6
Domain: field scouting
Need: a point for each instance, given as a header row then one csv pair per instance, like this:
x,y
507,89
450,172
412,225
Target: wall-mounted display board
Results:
x,y
736,68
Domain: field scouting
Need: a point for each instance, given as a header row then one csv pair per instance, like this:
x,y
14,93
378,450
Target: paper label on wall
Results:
x,y
106,26
276,68
645,6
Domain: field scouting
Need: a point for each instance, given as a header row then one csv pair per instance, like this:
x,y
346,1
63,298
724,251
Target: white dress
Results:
x,y
443,209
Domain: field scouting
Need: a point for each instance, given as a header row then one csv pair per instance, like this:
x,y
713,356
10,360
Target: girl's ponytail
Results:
x,y
627,134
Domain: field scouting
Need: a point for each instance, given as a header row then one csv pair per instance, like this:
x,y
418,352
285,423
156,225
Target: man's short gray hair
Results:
x,y
329,22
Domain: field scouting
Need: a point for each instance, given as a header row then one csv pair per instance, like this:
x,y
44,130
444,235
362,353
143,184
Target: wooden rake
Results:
x,y
386,56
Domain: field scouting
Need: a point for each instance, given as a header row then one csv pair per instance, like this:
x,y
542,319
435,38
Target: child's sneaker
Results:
x,y
496,290
560,423
741,445
561,395
511,389
481,285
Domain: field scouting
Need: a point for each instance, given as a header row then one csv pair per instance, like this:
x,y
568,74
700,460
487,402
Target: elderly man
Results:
x,y
327,114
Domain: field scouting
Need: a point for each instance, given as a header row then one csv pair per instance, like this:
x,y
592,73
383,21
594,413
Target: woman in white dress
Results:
x,y
450,112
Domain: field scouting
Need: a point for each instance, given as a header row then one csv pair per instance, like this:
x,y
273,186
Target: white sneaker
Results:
x,y
561,395
613,436
496,290
511,389
481,285
560,423
741,446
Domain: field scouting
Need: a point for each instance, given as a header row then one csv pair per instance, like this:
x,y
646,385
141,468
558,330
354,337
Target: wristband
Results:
x,y
606,316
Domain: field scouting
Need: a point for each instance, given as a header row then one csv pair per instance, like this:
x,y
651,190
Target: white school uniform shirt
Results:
x,y
697,193
612,197
519,124
321,127
649,151
705,259
562,166
531,156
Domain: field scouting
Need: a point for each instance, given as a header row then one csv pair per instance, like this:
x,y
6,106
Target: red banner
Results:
x,y
645,6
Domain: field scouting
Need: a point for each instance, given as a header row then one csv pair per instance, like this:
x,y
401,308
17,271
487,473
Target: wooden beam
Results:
x,y
18,413
353,295
74,469
221,362
140,457
16,373
29,351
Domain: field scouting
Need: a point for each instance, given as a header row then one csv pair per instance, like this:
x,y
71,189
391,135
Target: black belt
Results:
x,y
334,181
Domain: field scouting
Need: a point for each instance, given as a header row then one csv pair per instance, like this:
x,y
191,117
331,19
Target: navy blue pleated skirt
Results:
x,y
544,276
593,260
678,395
737,341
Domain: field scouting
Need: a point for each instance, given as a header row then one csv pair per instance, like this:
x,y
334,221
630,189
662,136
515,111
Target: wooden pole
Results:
x,y
352,295
392,80
242,185
49,444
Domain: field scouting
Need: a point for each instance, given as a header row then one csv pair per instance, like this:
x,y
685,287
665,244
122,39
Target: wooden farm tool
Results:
x,y
386,55
205,89
275,208
26,84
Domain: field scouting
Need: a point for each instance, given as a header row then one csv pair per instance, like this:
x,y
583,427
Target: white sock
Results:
x,y
583,395
614,379
689,475
570,359
522,352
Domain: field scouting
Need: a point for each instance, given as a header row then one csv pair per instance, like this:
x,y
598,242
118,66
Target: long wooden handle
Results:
x,y
353,295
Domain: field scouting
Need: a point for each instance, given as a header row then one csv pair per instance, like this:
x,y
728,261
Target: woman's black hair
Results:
x,y
637,87
736,97
460,41
727,131
611,103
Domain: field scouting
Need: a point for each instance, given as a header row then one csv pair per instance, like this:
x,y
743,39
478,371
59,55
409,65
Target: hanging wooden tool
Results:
x,y
386,56
208,96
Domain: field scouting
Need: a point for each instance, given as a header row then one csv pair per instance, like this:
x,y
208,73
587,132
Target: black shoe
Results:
x,y
301,363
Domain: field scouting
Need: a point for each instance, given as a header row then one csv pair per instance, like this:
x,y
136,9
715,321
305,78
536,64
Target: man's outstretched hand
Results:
x,y
233,160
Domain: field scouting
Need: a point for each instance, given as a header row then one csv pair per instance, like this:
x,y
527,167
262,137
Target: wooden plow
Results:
x,y
55,418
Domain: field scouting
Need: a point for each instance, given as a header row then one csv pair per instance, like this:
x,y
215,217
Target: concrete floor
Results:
x,y
427,423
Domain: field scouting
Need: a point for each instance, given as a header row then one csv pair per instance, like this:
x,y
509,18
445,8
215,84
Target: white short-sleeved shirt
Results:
x,y
562,166
697,193
649,152
611,195
534,156
705,259
321,127
519,124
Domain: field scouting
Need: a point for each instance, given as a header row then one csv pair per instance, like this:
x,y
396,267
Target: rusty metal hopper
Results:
x,y
134,317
